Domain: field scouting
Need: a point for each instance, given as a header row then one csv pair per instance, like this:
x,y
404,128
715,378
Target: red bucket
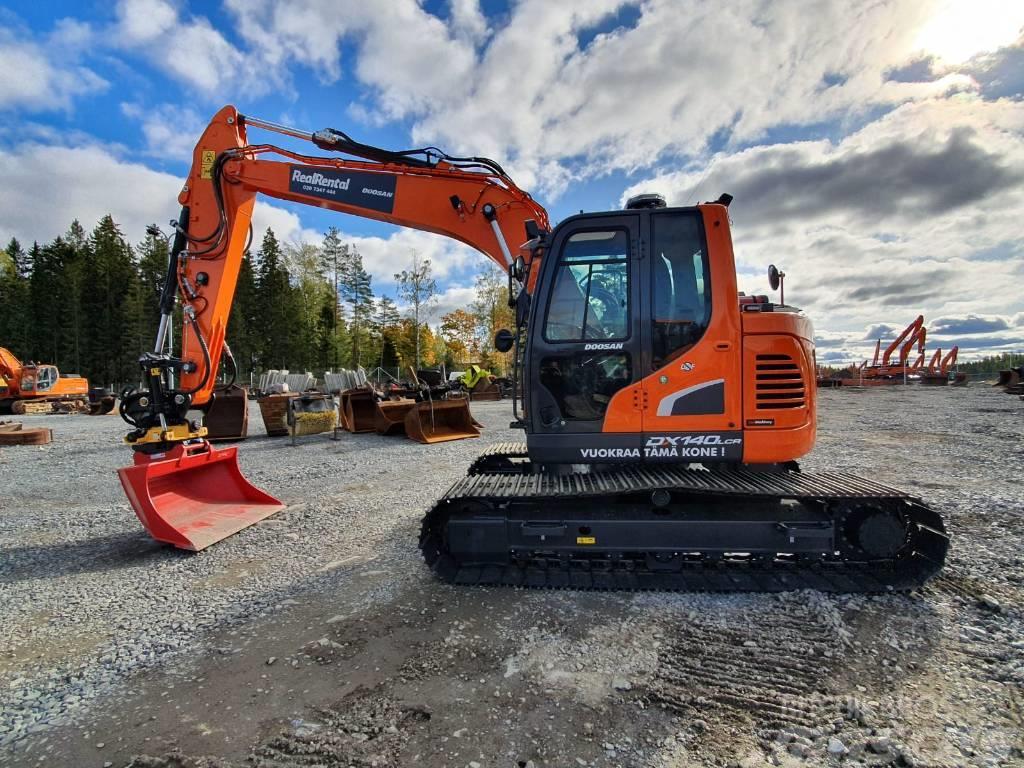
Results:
x,y
194,496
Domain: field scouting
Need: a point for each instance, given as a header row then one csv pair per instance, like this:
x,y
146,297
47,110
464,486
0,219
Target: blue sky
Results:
x,y
876,151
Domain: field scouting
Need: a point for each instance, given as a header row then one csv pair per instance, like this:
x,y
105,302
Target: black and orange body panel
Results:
x,y
741,393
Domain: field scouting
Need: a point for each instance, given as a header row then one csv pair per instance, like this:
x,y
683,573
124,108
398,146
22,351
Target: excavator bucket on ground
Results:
x,y
437,421
194,495
358,410
389,418
1008,378
484,390
227,418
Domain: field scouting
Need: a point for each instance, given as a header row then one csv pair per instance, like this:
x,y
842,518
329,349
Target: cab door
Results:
x,y
586,338
692,388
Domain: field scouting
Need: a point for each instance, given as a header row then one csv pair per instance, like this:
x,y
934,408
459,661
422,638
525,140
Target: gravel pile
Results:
x,y
88,598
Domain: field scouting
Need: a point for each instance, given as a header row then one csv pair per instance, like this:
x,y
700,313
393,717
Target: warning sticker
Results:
x,y
586,540
209,157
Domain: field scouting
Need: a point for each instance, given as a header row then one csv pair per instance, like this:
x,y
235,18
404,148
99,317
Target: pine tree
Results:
x,y
244,320
15,318
108,285
357,293
273,293
332,259
54,304
153,252
418,289
385,318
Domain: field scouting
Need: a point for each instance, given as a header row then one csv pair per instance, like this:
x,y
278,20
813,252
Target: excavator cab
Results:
x,y
47,378
634,338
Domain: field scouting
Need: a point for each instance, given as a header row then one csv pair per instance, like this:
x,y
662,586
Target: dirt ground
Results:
x,y
318,638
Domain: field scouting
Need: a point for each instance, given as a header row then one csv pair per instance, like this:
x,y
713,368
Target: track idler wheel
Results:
x,y
878,532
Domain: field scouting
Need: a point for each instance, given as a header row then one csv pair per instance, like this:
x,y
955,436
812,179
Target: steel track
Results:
x,y
921,556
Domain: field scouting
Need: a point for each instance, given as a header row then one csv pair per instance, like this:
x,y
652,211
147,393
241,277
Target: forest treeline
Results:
x,y
88,302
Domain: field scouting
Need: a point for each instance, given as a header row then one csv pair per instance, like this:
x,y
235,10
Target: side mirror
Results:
x,y
518,269
773,277
504,340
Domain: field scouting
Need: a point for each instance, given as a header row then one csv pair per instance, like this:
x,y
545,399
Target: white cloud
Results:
x,y
468,21
553,110
141,22
84,182
916,212
452,298
385,256
170,131
188,49
408,56
35,82
673,81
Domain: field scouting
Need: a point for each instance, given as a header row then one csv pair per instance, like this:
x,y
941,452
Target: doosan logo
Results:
x,y
319,180
377,192
603,345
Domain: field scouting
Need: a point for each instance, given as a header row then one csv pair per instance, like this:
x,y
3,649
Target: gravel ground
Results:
x,y
318,637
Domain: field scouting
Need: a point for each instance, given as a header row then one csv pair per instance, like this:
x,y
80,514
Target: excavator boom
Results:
x,y
471,200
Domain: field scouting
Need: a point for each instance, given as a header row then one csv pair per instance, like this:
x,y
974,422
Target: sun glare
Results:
x,y
960,29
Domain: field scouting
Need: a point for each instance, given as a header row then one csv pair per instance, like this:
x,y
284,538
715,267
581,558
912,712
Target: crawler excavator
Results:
x,y
663,411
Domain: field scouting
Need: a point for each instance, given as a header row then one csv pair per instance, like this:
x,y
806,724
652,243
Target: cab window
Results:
x,y
681,287
590,299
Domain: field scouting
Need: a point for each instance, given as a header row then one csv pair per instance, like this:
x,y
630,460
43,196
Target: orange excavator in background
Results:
x,y
32,388
886,372
663,411
937,373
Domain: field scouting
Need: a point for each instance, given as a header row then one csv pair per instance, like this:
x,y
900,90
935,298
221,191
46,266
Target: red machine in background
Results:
x,y
937,373
889,373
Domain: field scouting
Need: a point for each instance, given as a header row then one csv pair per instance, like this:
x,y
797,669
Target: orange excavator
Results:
x,y
32,388
886,372
937,373
663,411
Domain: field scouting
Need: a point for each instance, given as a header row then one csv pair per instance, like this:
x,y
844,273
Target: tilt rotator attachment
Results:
x,y
184,491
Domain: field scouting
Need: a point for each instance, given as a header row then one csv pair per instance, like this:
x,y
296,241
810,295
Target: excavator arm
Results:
x,y
910,331
184,491
949,360
471,200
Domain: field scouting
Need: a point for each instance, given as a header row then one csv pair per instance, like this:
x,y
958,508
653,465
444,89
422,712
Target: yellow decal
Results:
x,y
154,371
206,169
586,540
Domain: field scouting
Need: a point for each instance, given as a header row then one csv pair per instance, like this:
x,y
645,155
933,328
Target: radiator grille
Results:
x,y
778,383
